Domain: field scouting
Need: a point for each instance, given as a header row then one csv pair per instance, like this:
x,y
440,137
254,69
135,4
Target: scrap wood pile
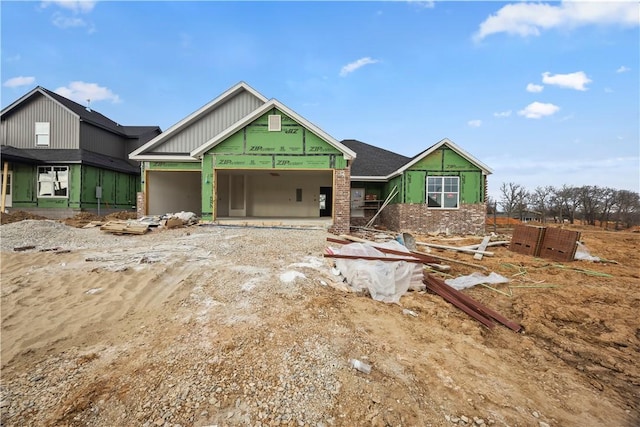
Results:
x,y
401,255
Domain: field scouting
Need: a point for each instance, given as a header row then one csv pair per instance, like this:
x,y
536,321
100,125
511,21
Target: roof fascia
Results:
x,y
160,158
446,141
29,94
369,178
346,152
195,115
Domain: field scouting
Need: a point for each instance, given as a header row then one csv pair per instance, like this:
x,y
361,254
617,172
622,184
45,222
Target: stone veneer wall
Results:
x,y
417,218
140,207
342,201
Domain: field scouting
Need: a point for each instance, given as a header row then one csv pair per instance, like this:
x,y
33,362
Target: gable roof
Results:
x,y
373,162
274,103
446,141
191,118
83,113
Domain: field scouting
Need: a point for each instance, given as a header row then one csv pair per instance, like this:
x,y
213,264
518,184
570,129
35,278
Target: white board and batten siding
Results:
x,y
210,124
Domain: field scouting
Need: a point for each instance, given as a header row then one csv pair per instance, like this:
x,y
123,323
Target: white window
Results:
x,y
443,192
42,134
53,181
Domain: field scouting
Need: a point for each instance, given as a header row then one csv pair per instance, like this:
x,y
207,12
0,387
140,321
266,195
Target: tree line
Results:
x,y
590,204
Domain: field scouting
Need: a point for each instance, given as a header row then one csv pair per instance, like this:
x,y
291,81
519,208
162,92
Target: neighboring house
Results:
x,y
441,190
244,156
62,158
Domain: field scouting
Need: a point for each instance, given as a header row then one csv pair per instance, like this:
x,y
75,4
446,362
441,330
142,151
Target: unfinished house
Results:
x,y
60,158
243,157
441,190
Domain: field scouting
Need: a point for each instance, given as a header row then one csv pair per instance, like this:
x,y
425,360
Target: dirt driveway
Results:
x,y
226,326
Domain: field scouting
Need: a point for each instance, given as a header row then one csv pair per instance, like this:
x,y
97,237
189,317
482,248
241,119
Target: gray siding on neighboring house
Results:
x,y
101,141
18,129
210,124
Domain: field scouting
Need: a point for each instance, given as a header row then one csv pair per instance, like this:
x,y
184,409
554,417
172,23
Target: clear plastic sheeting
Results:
x,y
385,281
464,282
582,253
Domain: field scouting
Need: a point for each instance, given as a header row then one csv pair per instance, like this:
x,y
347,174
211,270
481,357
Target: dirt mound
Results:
x,y
121,215
84,218
7,218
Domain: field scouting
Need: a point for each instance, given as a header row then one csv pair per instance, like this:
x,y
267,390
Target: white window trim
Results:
x,y
53,196
42,130
443,192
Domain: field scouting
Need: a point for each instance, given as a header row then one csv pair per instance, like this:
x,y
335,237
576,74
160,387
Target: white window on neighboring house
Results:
x,y
443,192
42,134
53,181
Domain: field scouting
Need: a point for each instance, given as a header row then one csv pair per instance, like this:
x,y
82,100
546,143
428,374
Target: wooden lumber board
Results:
x,y
442,258
426,259
526,239
124,227
490,244
374,258
455,248
482,247
450,298
477,306
559,245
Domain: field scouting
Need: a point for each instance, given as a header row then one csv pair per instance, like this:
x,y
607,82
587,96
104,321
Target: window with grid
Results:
x,y
53,181
443,192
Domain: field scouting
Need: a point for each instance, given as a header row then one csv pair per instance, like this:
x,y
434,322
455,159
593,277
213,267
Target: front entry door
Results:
x,y
7,200
237,196
326,201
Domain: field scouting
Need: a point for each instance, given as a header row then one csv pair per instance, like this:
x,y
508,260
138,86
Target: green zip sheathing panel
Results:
x,y
444,162
293,147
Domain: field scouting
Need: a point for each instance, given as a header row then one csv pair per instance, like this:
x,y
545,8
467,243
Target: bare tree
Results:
x,y
589,199
567,201
607,202
513,198
541,200
627,208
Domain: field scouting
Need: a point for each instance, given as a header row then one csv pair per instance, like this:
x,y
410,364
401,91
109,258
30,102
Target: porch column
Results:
x,y
342,201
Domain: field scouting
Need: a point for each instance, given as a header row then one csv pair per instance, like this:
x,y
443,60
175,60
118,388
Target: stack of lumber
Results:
x,y
125,227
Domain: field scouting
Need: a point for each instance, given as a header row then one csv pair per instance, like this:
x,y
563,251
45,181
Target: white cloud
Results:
x,y
81,91
534,88
70,17
608,90
530,19
475,123
76,6
62,21
576,80
422,4
502,114
351,67
19,81
537,110
623,69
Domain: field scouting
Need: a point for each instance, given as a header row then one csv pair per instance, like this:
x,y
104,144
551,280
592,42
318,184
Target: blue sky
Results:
x,y
544,93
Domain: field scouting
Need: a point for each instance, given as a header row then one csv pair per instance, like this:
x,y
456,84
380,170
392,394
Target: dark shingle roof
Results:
x,y
48,156
373,161
87,115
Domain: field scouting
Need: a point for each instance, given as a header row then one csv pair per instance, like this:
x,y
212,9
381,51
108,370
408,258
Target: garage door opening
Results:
x,y
171,192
